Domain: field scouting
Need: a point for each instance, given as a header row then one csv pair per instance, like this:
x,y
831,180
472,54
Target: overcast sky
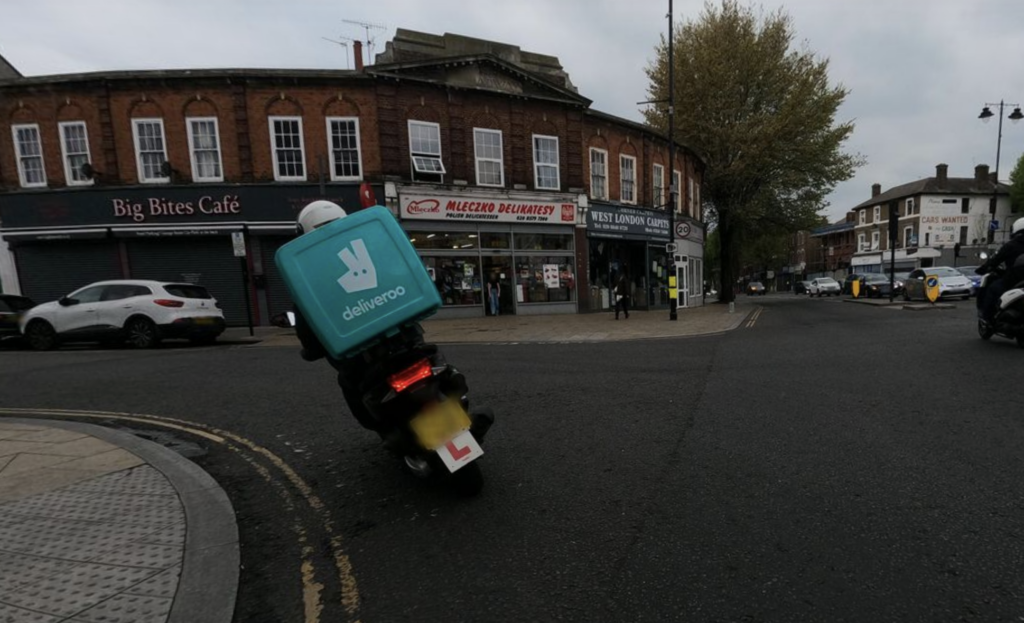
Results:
x,y
919,71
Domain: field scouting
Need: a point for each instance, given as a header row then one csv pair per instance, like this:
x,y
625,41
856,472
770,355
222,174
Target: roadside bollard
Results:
x,y
732,307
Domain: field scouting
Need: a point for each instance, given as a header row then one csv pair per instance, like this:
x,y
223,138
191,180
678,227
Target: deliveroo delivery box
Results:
x,y
357,278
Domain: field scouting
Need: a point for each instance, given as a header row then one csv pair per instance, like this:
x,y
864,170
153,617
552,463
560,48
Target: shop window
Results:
x,y
490,169
542,279
287,148
443,241
204,147
627,179
74,145
425,150
545,162
30,155
458,279
495,240
543,242
598,174
151,151
658,186
346,159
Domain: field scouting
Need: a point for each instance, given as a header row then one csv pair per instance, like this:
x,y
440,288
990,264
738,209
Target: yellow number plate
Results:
x,y
440,423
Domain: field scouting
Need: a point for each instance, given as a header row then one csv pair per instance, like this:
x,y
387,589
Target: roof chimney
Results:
x,y
876,189
941,173
981,173
357,48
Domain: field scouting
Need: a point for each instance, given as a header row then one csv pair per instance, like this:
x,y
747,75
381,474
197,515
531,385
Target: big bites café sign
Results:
x,y
500,210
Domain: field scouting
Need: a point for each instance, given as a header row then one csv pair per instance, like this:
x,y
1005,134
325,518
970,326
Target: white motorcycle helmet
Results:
x,y
317,214
1018,227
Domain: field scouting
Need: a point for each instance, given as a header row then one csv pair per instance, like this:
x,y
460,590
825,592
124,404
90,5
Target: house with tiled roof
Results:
x,y
935,214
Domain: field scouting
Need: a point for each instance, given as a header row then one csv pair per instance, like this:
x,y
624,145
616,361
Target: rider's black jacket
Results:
x,y
1008,255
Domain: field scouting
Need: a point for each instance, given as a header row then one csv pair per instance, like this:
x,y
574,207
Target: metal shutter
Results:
x,y
278,298
48,271
207,261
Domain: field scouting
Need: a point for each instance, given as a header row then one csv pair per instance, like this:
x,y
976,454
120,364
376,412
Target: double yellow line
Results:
x,y
753,318
248,451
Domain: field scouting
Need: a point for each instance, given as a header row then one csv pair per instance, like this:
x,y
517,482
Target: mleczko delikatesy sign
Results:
x,y
608,221
449,208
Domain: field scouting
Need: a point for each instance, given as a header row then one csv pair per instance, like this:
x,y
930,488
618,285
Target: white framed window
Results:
x,y
862,217
908,235
910,206
343,145
861,242
877,215
74,148
286,147
627,179
598,173
425,148
150,150
677,183
698,212
689,196
658,185
490,167
545,162
204,148
875,238
29,149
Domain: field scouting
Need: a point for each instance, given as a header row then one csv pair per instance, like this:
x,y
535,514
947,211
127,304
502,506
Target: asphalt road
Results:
x,y
826,461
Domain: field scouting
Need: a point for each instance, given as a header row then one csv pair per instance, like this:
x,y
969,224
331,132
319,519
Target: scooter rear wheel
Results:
x,y
469,480
985,330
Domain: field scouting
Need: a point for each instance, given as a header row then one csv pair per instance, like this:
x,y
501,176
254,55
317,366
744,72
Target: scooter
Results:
x,y
420,405
1009,320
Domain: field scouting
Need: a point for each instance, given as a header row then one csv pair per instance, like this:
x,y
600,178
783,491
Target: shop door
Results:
x,y
499,268
48,271
683,276
206,261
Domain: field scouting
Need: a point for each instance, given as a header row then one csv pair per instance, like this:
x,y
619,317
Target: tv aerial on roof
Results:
x,y
367,26
343,44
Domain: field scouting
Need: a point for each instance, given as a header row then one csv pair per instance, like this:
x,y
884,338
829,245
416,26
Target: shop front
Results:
x,y
59,241
630,241
491,253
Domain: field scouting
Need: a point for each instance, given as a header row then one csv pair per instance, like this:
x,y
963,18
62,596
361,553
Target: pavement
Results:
x,y
101,526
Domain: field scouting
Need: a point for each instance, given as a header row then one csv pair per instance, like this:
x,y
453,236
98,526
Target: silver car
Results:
x,y
952,283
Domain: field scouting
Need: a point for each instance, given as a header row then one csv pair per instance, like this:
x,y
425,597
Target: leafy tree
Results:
x,y
1017,186
761,114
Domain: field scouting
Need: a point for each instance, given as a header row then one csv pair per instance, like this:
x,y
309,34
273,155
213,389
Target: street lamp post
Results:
x,y
673,192
986,115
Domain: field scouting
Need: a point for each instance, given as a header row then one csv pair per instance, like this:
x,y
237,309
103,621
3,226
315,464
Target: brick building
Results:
x,y
491,160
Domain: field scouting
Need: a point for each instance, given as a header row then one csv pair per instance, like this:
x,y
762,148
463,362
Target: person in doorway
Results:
x,y
622,295
494,294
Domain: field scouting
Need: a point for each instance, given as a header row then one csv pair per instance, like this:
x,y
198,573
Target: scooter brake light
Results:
x,y
401,381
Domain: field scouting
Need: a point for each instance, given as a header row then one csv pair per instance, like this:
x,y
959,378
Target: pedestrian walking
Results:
x,y
494,294
622,296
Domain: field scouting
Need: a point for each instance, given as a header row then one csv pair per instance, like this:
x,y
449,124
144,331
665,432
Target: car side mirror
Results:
x,y
285,320
67,302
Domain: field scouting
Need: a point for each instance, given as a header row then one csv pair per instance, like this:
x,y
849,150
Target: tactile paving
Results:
x,y
76,589
13,614
163,584
128,609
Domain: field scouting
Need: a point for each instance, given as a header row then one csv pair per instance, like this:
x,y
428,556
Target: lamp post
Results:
x,y
673,192
986,115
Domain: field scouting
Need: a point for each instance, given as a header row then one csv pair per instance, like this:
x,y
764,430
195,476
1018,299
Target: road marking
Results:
x,y
312,601
754,317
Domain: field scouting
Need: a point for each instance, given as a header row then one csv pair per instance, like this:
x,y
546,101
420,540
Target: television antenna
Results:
x,y
367,26
343,44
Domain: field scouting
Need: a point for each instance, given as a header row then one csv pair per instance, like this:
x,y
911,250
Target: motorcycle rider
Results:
x,y
1008,255
353,372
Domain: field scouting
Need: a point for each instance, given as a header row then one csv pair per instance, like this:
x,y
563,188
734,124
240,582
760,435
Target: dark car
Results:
x,y
971,273
12,307
848,282
875,285
800,287
755,287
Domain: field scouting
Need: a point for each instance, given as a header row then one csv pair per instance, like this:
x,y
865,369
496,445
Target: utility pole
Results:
x,y
673,192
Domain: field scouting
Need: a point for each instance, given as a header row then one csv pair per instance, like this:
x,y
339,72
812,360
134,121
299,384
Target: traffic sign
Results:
x,y
238,243
671,247
682,229
993,225
931,287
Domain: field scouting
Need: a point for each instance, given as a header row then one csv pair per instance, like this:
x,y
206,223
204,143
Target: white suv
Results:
x,y
141,312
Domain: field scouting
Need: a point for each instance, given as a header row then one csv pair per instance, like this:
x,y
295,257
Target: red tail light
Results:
x,y
168,303
400,381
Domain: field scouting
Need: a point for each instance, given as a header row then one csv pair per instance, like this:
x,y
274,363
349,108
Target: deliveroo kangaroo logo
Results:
x,y
361,275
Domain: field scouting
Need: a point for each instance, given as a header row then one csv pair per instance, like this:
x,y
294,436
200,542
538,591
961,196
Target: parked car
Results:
x,y
823,286
800,287
875,285
900,282
847,287
12,307
951,283
141,312
756,287
971,272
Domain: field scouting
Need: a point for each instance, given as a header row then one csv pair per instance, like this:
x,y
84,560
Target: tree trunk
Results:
x,y
727,256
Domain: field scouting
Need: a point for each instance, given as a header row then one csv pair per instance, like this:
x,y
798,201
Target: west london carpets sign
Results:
x,y
608,221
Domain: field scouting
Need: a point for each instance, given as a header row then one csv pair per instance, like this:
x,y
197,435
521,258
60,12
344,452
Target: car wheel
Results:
x,y
142,333
40,335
